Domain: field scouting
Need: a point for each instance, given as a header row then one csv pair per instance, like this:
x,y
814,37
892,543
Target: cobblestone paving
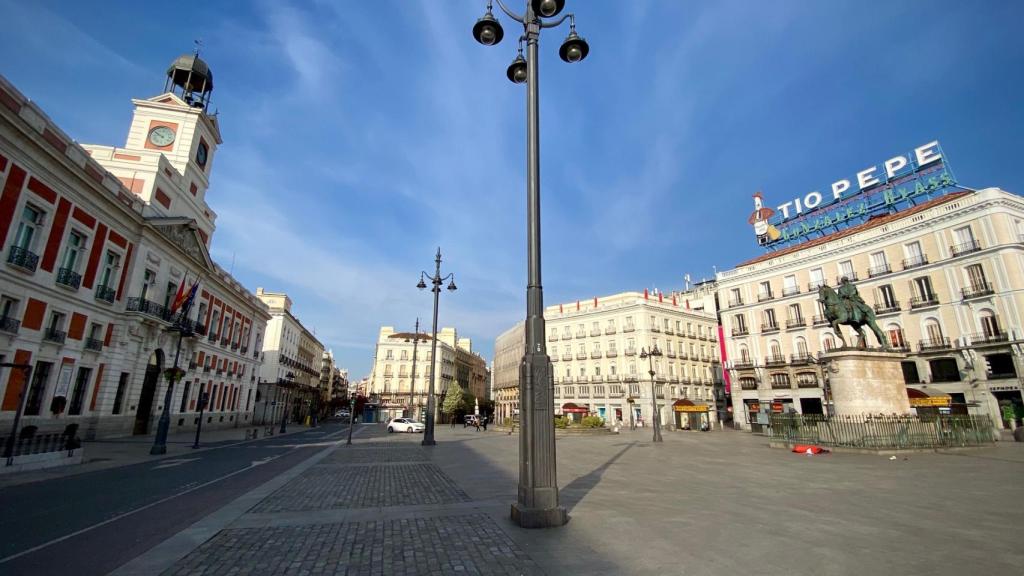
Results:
x,y
468,544
324,487
377,454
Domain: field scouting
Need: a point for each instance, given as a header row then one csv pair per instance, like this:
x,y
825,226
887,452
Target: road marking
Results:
x,y
174,462
126,514
265,460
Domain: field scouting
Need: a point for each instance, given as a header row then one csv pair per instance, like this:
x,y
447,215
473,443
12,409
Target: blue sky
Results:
x,y
359,136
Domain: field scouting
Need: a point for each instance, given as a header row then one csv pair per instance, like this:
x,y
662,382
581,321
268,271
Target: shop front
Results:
x,y
575,412
690,416
925,404
1011,405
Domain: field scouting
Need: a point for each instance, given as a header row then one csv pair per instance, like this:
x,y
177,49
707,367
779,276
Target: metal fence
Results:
x,y
35,444
883,432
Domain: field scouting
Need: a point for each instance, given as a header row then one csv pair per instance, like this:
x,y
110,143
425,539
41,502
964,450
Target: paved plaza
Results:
x,y
700,503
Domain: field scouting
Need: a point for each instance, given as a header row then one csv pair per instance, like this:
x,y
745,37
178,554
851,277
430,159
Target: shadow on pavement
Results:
x,y
577,490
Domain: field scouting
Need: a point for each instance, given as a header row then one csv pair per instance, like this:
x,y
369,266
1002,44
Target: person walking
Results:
x,y
476,423
485,423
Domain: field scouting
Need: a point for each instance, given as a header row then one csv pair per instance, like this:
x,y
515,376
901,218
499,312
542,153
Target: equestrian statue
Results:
x,y
845,306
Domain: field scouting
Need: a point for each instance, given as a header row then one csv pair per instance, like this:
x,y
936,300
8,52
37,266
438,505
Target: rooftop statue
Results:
x,y
846,307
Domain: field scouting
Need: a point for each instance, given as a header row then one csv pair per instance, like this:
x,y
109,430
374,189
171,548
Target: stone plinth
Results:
x,y
867,382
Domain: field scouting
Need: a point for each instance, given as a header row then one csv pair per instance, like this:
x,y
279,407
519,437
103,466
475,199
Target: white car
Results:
x,y
405,425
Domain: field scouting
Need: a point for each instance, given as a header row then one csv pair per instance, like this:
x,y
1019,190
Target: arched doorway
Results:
x,y
149,383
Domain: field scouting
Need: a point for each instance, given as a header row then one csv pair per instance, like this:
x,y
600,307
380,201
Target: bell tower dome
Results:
x,y
189,77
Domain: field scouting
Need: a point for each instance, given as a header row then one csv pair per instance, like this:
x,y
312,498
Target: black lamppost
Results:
x,y
537,504
412,381
284,409
9,447
184,329
436,280
650,355
351,416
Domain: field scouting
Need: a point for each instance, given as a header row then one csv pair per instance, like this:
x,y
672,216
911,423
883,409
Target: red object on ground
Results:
x,y
809,449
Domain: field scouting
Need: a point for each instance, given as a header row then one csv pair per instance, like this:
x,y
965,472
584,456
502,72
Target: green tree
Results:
x,y
454,399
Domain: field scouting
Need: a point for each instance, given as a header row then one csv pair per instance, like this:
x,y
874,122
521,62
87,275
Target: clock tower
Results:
x,y
171,145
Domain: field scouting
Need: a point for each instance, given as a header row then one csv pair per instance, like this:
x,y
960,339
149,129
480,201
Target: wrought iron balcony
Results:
x,y
743,365
566,335
795,323
733,302
923,301
256,354
105,294
748,385
9,325
224,341
933,344
670,354
581,334
965,248
915,262
812,286
68,277
765,296
743,331
206,368
199,329
553,337
93,344
783,385
54,335
581,355
989,337
22,258
977,290
629,328
192,365
595,332
769,328
887,308
143,306
234,345
879,270
595,354
213,338
630,351
775,361
655,329
609,330
803,358
611,353
819,321
613,377
567,356
806,382
852,277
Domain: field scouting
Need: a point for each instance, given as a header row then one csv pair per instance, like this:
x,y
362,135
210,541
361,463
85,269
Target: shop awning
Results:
x,y
919,398
572,408
686,405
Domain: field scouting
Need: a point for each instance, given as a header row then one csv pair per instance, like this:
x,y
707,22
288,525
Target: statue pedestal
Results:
x,y
867,382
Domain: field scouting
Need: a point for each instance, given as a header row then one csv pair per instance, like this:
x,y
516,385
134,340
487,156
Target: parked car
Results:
x,y
470,420
341,414
405,425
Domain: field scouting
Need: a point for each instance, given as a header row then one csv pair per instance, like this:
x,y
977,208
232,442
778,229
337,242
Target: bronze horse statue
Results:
x,y
846,307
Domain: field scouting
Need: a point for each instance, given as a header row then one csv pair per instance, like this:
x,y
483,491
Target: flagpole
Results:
x,y
180,325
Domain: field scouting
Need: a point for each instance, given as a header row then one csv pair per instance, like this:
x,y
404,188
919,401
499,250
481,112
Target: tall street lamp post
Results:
x,y
184,329
351,416
650,355
412,381
284,408
436,280
537,503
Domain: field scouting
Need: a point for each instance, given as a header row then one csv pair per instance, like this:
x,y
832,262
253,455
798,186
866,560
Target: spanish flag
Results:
x,y
179,298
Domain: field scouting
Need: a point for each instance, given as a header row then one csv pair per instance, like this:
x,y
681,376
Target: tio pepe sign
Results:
x,y
853,200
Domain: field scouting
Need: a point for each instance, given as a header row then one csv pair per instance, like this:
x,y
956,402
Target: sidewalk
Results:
x,y
116,452
388,506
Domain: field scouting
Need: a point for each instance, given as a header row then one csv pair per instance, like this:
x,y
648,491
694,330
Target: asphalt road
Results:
x,y
120,513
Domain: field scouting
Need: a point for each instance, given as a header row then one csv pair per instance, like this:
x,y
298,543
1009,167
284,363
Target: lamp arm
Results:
x,y
510,13
558,22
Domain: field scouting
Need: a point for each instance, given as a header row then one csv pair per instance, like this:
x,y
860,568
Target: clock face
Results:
x,y
201,154
161,136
